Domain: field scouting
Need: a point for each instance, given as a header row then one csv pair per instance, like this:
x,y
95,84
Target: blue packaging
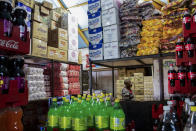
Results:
x,y
94,20
96,36
94,6
28,19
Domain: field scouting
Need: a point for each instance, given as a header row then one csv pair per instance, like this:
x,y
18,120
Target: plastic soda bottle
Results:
x,y
117,118
79,97
79,118
53,116
108,105
90,115
191,122
65,117
101,117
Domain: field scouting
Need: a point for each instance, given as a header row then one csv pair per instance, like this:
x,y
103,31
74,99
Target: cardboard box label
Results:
x,y
94,6
52,52
55,15
40,31
39,47
73,56
62,55
63,44
94,20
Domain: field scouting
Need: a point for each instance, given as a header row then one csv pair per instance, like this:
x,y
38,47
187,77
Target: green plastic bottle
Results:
x,y
101,117
108,105
90,114
65,117
79,118
73,105
62,105
53,116
117,118
72,99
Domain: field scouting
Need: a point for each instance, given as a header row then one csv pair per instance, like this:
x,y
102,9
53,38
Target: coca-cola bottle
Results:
x,y
4,75
17,73
172,75
182,75
19,16
192,74
179,49
190,47
5,16
187,20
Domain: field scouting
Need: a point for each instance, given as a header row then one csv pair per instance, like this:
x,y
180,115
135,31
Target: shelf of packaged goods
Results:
x,y
37,59
136,61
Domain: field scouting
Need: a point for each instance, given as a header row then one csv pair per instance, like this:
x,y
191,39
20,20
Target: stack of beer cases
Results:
x,y
61,79
74,79
95,30
111,31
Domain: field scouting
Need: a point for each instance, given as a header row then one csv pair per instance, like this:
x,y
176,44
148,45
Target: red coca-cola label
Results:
x,y
9,44
181,75
186,20
190,47
179,48
191,75
171,76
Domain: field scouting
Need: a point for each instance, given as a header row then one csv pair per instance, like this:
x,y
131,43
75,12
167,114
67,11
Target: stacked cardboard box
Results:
x,y
148,88
138,86
39,31
111,31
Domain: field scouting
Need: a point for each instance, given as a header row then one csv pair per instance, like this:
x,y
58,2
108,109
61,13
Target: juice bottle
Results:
x,y
4,75
13,119
90,115
79,118
53,116
101,117
117,118
65,117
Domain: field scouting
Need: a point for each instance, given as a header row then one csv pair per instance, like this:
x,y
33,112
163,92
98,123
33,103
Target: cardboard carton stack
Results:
x,y
138,86
95,30
111,31
148,88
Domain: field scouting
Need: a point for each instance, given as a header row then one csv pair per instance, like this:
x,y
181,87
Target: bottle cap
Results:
x,y
87,99
117,100
93,94
83,98
166,108
110,94
54,99
67,100
88,96
187,100
72,97
191,103
101,100
79,96
193,108
108,99
79,101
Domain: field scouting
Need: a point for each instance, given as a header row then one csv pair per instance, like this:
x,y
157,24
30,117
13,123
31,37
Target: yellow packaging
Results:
x,y
29,3
40,31
47,4
44,11
39,48
62,55
37,17
55,15
52,53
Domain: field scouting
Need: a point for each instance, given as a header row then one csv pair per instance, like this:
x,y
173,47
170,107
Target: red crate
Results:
x,y
13,44
14,98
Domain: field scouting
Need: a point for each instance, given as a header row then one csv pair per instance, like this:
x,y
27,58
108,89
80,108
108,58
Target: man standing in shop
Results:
x,y
127,93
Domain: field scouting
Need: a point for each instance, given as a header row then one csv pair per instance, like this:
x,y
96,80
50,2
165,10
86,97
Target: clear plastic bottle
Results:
x,y
184,115
165,123
191,122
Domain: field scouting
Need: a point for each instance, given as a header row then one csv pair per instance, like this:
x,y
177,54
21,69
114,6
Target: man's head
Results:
x,y
127,83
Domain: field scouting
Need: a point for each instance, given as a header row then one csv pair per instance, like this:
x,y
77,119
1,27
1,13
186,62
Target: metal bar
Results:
x,y
85,29
78,5
161,79
81,78
83,36
133,66
141,62
102,65
113,81
52,74
90,77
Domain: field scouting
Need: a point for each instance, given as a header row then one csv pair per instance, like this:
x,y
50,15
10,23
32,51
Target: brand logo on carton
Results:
x,y
42,30
94,6
41,47
98,36
94,22
9,44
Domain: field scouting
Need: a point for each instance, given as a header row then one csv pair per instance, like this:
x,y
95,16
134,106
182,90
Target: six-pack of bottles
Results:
x,y
14,37
13,86
184,80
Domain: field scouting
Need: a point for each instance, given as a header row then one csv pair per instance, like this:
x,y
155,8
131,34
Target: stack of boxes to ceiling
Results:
x,y
74,79
138,86
148,88
111,31
95,30
39,31
61,79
